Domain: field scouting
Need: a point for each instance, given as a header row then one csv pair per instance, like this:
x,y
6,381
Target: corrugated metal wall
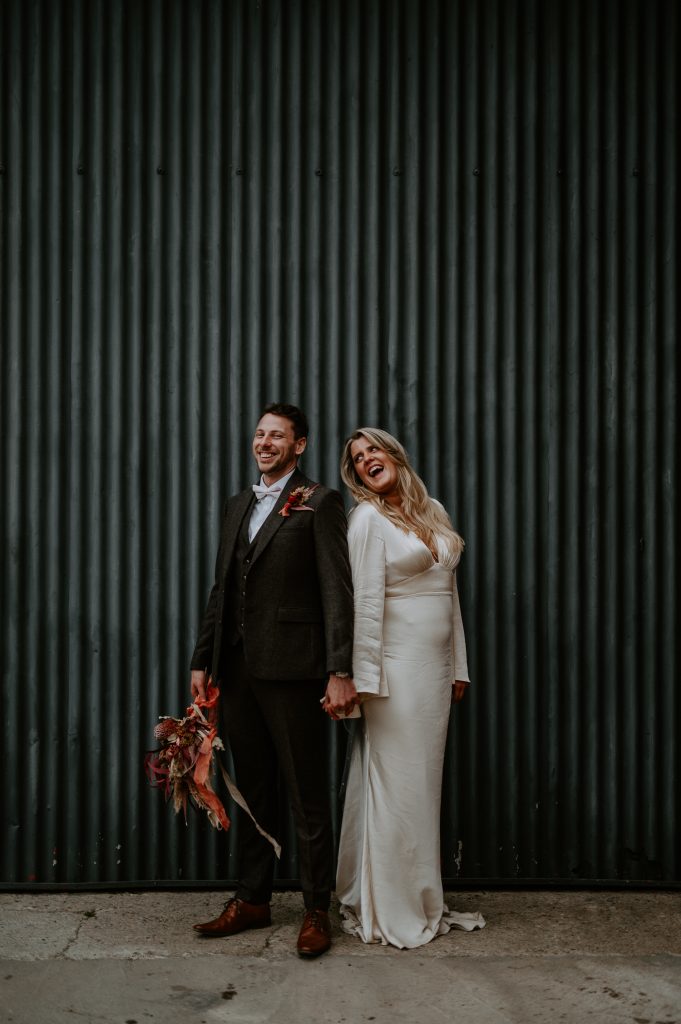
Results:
x,y
457,220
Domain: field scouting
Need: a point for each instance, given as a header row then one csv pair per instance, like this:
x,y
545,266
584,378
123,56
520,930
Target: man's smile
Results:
x,y
275,447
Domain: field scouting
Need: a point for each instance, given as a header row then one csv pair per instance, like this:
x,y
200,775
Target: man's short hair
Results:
x,y
301,428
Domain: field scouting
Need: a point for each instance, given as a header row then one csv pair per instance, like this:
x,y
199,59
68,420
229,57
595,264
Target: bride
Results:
x,y
410,658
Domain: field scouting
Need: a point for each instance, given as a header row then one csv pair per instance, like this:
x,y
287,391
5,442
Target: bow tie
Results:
x,y
267,492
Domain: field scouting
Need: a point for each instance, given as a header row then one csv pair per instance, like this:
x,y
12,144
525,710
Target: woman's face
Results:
x,y
375,468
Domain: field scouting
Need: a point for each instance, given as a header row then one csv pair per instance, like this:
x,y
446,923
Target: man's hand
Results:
x,y
198,684
341,696
458,690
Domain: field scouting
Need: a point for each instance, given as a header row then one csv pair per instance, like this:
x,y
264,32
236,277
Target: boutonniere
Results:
x,y
296,501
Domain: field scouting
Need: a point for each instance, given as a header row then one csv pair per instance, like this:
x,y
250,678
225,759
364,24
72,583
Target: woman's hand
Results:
x,y
341,696
459,688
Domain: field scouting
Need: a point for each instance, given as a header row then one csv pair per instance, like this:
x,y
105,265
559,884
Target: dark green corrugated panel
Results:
x,y
459,221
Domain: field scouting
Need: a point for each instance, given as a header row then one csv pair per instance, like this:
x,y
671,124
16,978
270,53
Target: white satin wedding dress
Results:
x,y
409,646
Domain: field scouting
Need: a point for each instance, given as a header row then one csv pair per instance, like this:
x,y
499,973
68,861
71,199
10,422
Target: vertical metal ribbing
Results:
x,y
31,510
273,209
549,227
449,340
153,253
456,221
473,743
253,340
424,342
345,151
292,121
631,245
389,397
410,327
208,411
650,421
14,439
236,272
488,435
339,86
648,384
449,411
526,482
171,292
507,414
118,718
610,751
332,180
583,485
125,104
312,247
177,297
363,359
78,864
53,650
669,221
185,384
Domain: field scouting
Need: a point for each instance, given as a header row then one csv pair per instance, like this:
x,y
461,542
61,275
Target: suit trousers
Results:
x,y
271,725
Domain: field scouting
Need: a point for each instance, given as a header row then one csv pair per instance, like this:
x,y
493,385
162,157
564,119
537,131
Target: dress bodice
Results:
x,y
407,557
389,564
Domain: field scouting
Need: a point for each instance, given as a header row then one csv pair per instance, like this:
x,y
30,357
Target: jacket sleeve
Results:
x,y
335,581
367,559
203,651
459,660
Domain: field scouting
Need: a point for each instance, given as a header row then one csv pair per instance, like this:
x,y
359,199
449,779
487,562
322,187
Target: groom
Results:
x,y
277,634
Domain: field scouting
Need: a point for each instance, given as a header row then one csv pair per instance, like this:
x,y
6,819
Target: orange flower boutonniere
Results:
x,y
296,501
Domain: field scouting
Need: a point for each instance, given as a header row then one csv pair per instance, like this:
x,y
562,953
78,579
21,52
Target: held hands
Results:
x,y
198,684
341,697
459,688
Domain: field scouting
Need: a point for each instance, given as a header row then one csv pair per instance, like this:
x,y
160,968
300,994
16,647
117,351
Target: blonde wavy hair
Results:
x,y
418,511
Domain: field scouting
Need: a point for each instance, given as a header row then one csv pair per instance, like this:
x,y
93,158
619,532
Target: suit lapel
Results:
x,y
274,521
233,524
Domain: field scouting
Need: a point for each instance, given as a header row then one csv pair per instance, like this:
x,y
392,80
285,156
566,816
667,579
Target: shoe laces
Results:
x,y
316,918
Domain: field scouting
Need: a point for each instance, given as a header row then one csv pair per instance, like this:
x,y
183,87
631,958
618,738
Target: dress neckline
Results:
x,y
436,561
414,534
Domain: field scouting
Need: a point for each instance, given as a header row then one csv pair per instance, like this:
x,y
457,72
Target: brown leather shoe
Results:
x,y
315,934
236,917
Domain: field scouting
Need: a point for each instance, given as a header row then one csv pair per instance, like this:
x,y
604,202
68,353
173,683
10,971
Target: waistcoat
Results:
x,y
235,587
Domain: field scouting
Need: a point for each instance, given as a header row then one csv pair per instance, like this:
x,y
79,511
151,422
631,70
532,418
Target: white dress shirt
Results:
x,y
266,503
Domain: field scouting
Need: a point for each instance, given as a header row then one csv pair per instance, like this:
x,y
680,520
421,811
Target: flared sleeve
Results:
x,y
459,660
367,560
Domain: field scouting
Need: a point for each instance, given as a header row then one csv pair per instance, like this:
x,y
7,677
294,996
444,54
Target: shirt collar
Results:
x,y
281,482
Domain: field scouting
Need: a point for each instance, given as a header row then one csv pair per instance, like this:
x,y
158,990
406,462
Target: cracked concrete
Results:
x,y
123,957
72,942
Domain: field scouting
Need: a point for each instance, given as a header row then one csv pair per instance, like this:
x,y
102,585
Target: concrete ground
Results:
x,y
132,958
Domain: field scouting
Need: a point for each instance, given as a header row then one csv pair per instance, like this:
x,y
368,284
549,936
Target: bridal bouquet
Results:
x,y
183,765
185,762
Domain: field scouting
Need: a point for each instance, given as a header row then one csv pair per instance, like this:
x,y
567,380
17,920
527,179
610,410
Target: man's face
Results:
x,y
275,448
